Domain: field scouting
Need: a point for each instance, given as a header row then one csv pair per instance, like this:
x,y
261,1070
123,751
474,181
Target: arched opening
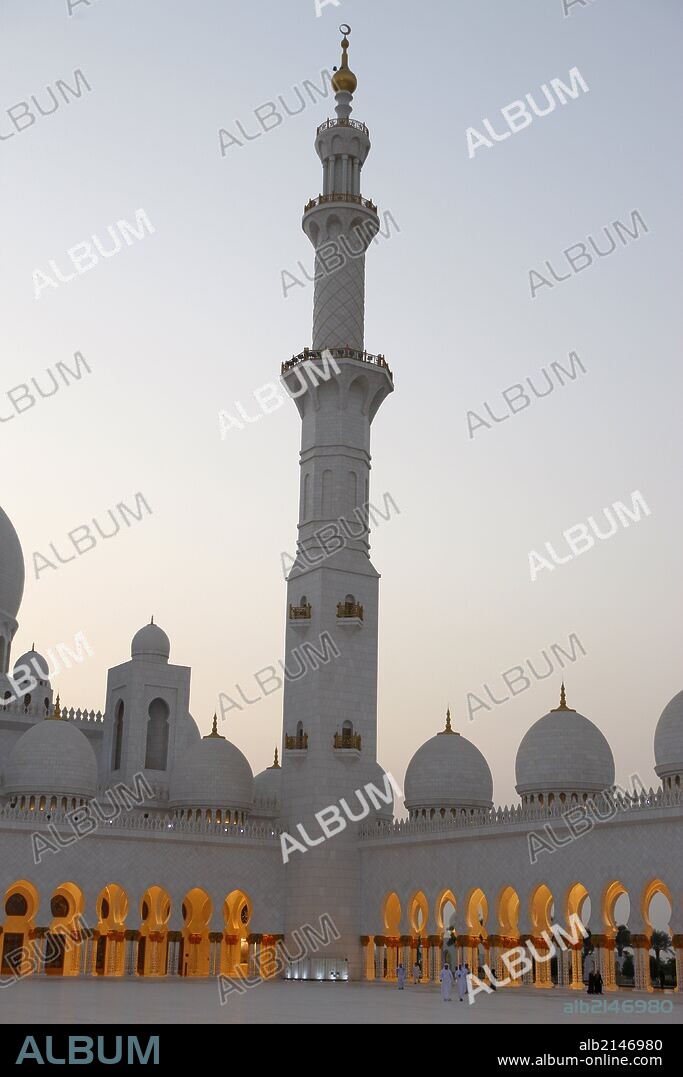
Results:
x,y
391,921
578,905
656,906
237,910
156,755
616,913
110,952
18,949
195,945
445,911
118,736
476,914
155,911
542,916
418,915
65,939
508,912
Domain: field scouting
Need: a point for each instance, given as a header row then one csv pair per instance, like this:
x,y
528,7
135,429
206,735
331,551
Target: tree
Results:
x,y
623,938
660,941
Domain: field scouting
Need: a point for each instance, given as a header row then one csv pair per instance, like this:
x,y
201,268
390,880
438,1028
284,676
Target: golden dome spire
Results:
x,y
448,725
214,734
276,765
57,711
563,702
344,79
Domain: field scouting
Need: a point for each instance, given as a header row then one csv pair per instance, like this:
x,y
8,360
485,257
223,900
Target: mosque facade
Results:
x,y
130,845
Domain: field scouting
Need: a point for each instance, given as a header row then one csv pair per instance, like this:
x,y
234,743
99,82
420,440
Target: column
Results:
x,y
231,963
527,977
562,967
330,174
641,962
677,943
367,965
435,959
255,954
38,936
604,960
215,940
576,971
132,938
424,946
542,977
345,172
405,941
379,957
495,943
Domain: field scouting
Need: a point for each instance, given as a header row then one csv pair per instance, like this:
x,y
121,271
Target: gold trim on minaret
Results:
x,y
563,702
214,734
276,765
56,711
344,79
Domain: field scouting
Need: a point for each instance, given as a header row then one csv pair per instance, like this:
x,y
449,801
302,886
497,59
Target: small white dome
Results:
x,y
212,773
52,757
38,669
268,788
448,772
564,752
11,569
669,739
152,643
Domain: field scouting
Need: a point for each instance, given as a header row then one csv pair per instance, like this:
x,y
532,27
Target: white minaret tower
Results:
x,y
330,713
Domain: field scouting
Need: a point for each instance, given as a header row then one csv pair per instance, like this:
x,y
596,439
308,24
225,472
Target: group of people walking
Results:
x,y
447,977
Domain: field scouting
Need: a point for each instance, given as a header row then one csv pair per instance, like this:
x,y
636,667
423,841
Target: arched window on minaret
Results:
x,y
157,735
347,729
118,736
299,729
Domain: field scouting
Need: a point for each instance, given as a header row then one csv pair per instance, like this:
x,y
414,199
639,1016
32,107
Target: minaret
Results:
x,y
330,712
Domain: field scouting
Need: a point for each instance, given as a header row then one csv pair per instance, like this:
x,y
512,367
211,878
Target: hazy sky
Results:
x,y
193,318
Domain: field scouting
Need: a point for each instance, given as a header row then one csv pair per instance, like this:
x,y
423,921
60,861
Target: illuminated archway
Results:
x,y
508,912
237,910
657,909
155,911
195,945
110,951
65,939
20,906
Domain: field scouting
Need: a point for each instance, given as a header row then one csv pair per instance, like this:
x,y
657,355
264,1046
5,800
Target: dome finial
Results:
x,y
563,702
57,711
214,734
448,724
276,764
152,621
344,79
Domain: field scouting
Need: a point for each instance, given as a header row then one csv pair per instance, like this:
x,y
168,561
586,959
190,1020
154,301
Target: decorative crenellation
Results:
x,y
379,830
165,824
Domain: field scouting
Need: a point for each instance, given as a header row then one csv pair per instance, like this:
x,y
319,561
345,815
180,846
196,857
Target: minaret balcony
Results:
x,y
300,614
347,742
311,354
343,122
350,614
337,196
296,743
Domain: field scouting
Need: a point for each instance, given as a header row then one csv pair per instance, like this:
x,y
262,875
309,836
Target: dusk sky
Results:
x,y
192,319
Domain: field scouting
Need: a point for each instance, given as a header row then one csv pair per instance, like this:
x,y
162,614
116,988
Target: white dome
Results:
x,y
268,787
448,772
52,757
11,569
669,739
151,642
38,669
564,752
212,773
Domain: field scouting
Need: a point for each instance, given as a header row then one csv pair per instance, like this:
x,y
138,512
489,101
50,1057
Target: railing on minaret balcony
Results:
x,y
300,613
350,609
343,122
347,741
339,197
296,743
337,353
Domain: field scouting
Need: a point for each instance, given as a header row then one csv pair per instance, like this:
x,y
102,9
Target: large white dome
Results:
x,y
448,772
669,740
152,643
11,569
212,773
53,757
563,752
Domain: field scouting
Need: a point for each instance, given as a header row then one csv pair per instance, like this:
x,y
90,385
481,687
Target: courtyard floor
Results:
x,y
131,1001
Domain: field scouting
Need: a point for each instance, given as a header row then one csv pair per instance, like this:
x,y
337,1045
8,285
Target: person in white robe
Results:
x,y
446,983
417,973
461,981
401,977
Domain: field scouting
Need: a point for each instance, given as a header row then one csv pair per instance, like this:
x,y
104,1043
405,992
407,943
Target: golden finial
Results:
x,y
448,724
276,765
57,711
214,734
344,79
563,702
